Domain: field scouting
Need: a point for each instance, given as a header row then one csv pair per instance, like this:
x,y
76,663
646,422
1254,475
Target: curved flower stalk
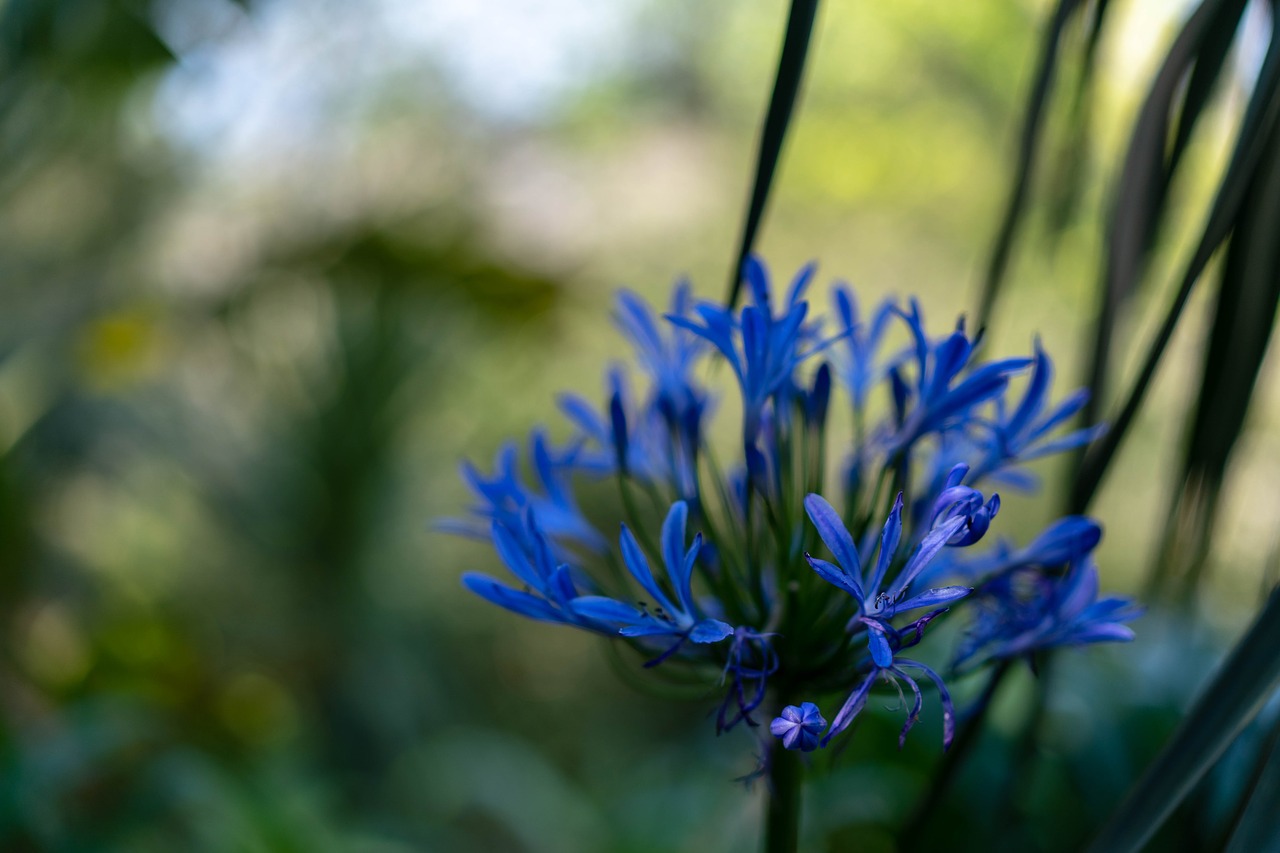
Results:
x,y
744,597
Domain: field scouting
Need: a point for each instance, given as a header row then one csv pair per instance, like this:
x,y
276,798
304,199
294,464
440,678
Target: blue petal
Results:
x,y
513,555
833,532
584,416
673,552
512,599
1037,391
638,565
1067,538
710,631
878,643
857,699
889,538
609,610
757,276
932,543
836,576
933,598
801,282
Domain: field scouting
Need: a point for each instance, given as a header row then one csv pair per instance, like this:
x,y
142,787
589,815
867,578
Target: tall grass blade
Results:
x,y
1029,143
1243,318
1257,827
786,85
1260,119
1142,190
1234,696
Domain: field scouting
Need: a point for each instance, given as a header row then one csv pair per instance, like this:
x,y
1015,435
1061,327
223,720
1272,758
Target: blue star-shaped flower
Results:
x,y
944,399
799,728
876,607
681,618
1027,610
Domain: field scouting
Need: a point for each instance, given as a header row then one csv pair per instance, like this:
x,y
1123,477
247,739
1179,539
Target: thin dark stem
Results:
x,y
1014,785
782,818
786,85
955,756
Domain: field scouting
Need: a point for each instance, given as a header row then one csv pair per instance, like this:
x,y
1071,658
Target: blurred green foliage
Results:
x,y
239,362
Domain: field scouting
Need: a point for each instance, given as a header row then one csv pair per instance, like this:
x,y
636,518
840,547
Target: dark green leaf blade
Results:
x,y
786,85
1258,828
1234,696
1243,318
1260,118
1141,192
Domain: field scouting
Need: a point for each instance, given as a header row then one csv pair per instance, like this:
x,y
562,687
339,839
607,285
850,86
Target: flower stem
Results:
x,y
951,762
782,819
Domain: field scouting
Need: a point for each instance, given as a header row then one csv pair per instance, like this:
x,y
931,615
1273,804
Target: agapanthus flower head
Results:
x,y
743,601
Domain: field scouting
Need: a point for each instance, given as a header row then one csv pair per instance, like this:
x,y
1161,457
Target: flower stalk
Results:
x,y
782,813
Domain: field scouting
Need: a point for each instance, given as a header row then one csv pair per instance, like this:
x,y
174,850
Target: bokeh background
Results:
x,y
271,269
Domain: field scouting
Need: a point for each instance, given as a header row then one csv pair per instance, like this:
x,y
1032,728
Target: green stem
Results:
x,y
782,818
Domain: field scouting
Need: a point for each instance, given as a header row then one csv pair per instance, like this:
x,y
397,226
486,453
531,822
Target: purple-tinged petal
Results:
x,y
948,707
916,707
857,699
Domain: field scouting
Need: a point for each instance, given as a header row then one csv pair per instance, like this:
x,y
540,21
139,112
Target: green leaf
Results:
x,y
1029,143
1142,190
1260,118
786,84
1243,317
1258,828
1234,696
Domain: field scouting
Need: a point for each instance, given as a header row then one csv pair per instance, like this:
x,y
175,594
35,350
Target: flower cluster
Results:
x,y
779,593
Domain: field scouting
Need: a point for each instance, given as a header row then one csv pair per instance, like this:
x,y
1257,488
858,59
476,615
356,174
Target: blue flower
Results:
x,y
1025,433
942,399
876,608
964,502
642,445
549,588
667,359
1029,610
503,497
859,370
763,350
679,618
890,671
799,727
